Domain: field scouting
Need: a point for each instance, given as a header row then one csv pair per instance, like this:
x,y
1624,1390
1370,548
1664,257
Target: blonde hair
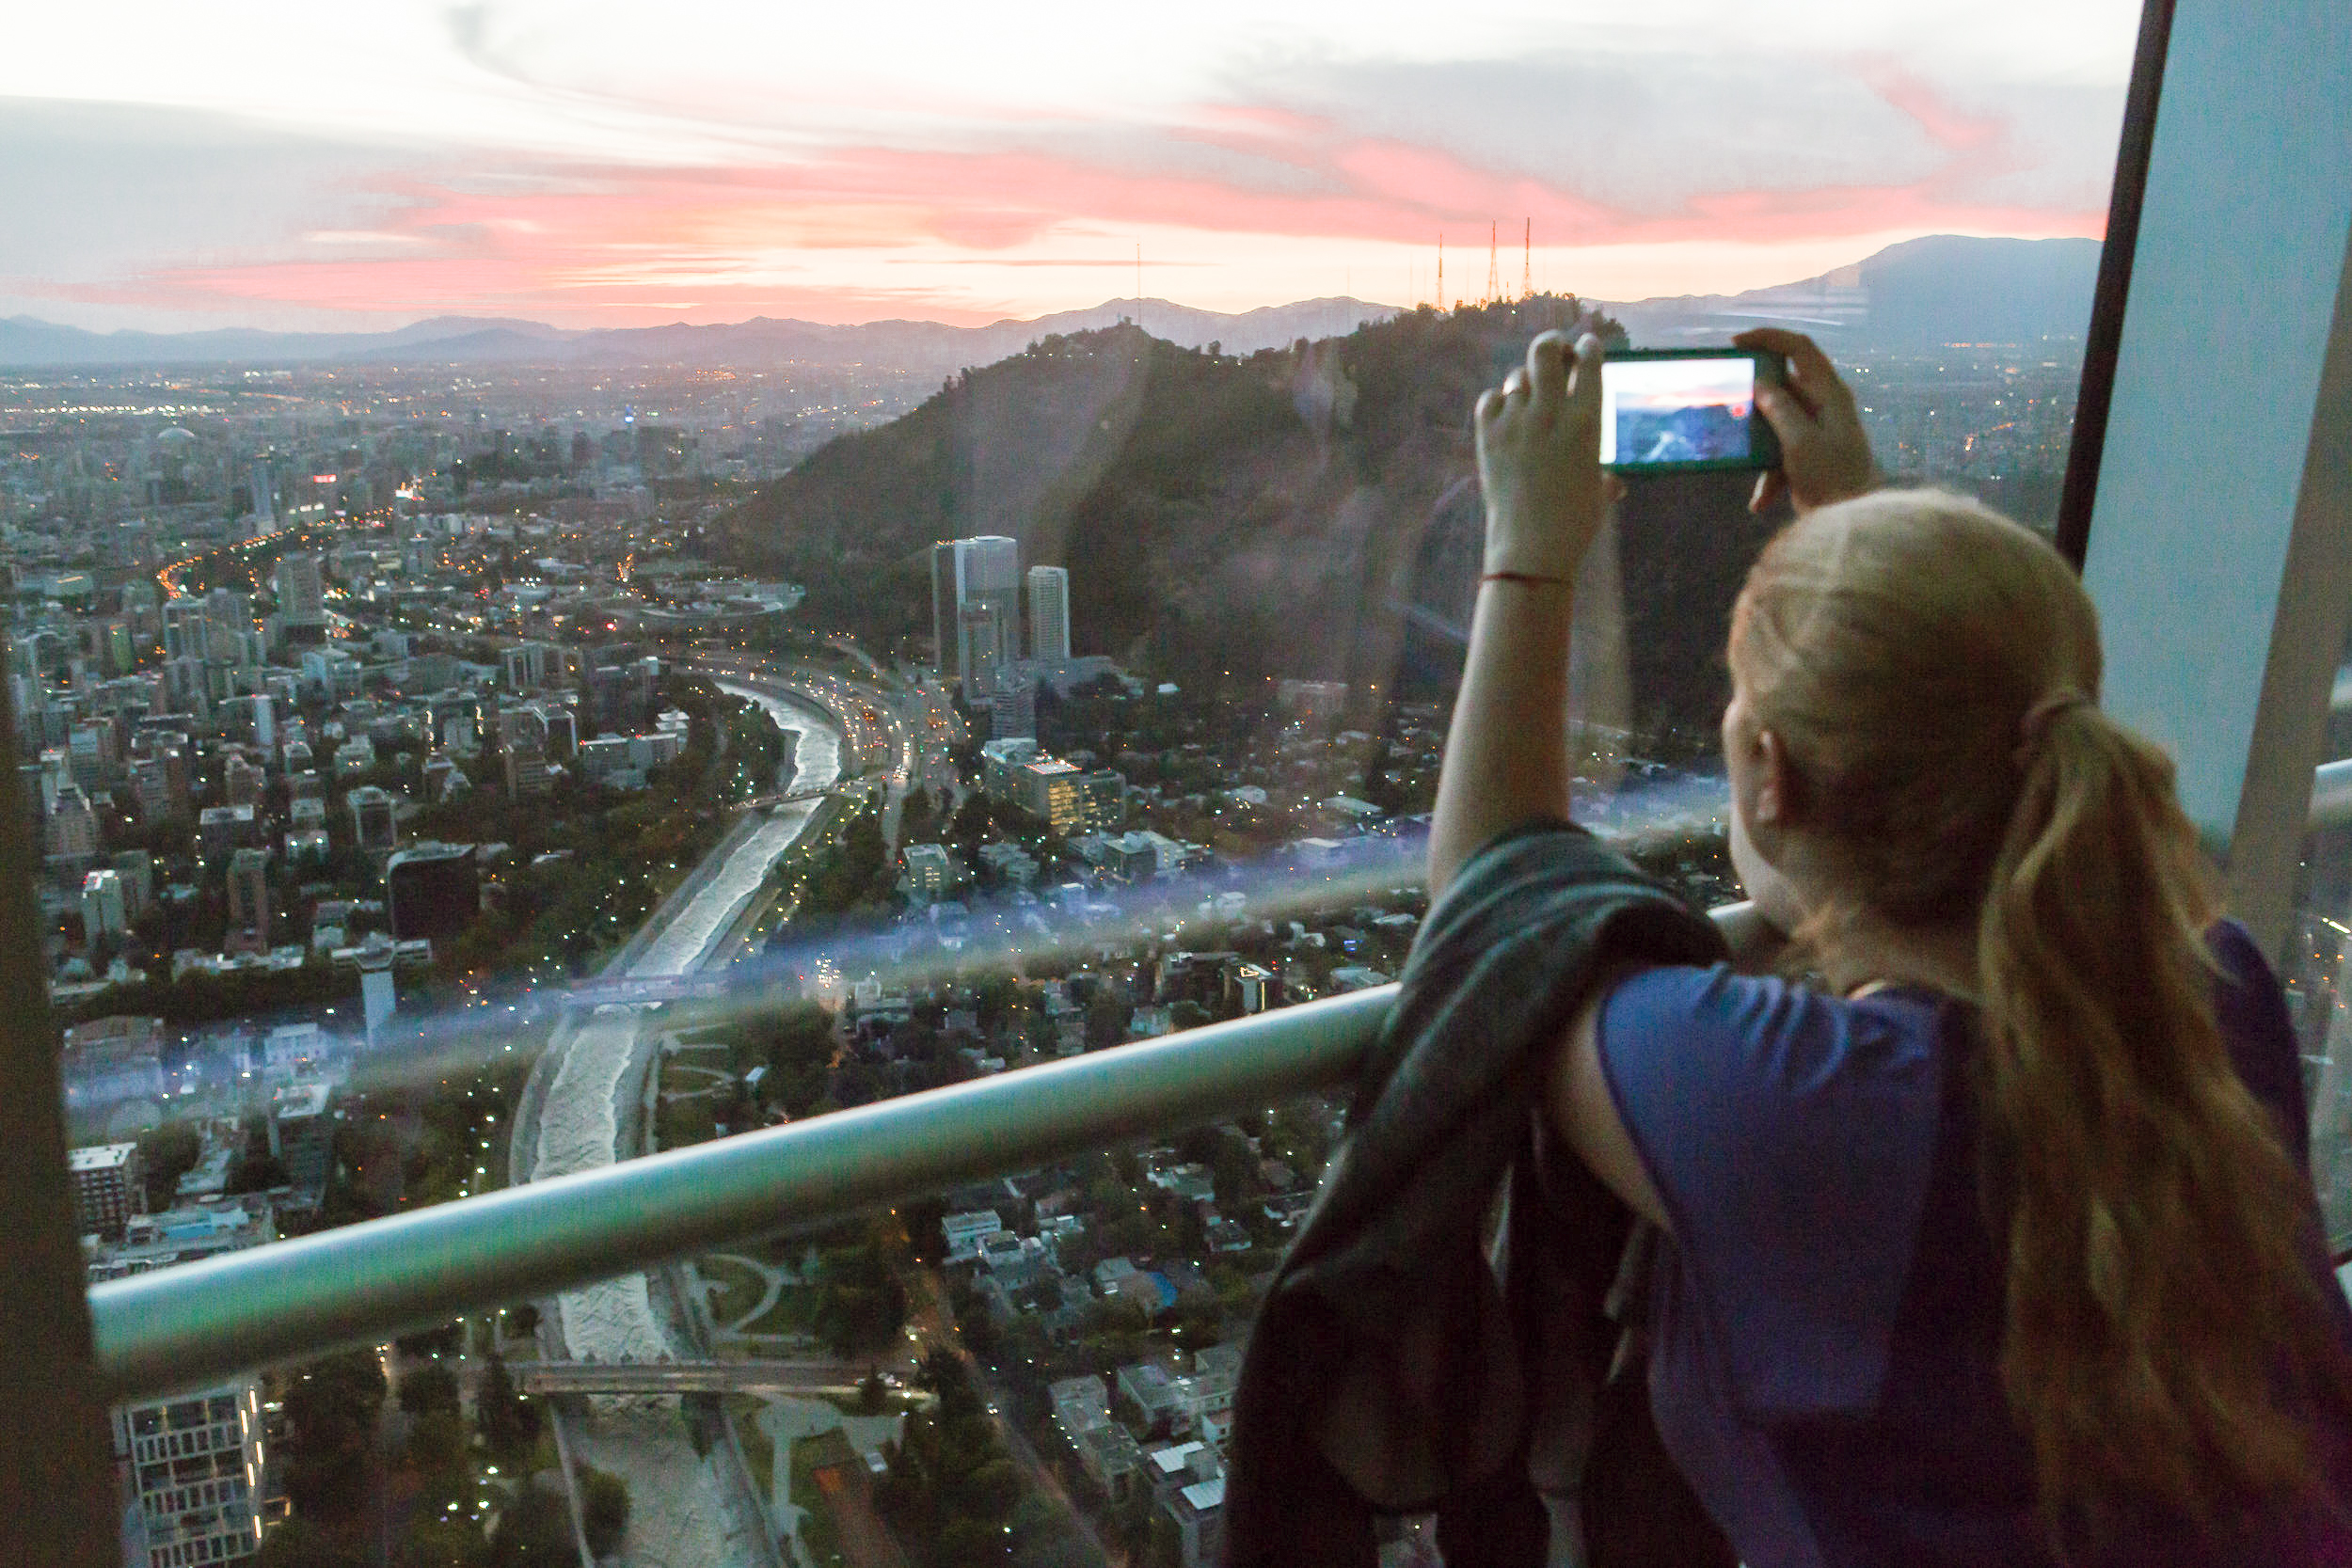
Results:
x,y
1932,670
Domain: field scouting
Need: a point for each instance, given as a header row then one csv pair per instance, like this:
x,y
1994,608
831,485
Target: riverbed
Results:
x,y
685,1509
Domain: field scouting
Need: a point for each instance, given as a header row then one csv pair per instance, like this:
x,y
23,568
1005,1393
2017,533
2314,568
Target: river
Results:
x,y
684,1508
684,944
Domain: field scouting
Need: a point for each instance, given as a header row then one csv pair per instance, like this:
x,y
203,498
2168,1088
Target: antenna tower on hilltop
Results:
x,y
1527,265
1138,283
1441,271
1494,277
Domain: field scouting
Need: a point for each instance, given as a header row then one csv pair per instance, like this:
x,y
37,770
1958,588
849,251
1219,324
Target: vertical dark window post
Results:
x,y
56,1463
2105,336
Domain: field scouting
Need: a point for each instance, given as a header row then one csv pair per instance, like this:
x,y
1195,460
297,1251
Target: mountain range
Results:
x,y
1938,289
27,342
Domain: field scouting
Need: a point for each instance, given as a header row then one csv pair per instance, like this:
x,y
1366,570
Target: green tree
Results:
x,y
429,1387
603,1510
800,1056
509,1423
861,1304
441,1543
965,1542
333,1404
990,1490
437,1443
300,1543
444,1340
167,1154
535,1531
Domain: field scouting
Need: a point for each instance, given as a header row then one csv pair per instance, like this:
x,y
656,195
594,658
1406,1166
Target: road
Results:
x,y
865,1542
895,730
929,1313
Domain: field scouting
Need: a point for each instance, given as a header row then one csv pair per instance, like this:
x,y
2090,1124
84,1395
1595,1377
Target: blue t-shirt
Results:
x,y
1826,1328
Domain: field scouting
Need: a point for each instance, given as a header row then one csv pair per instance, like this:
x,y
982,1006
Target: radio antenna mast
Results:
x,y
1494,277
1527,265
1138,283
1440,269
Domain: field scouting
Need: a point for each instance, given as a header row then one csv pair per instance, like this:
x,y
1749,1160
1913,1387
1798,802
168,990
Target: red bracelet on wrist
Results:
x,y
1525,576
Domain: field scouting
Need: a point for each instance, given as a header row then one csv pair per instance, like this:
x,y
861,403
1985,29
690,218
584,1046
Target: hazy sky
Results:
x,y
590,163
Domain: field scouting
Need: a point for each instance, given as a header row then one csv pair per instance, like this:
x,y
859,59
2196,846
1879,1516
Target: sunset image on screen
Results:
x,y
1675,410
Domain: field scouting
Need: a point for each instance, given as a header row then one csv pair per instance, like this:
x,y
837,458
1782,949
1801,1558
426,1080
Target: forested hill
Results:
x,y
1309,512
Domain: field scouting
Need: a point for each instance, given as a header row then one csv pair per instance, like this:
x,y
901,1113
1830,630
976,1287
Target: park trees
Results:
x,y
861,1304
333,1404
509,1423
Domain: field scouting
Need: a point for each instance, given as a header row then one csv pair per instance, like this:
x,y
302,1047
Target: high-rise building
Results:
x,y
967,574
137,868
264,494
1013,700
434,889
528,770
302,1137
248,900
928,871
1049,614
371,822
982,626
378,995
1072,800
301,595
196,1462
109,1188
187,629
72,826
104,913
193,1462
159,782
525,666
243,782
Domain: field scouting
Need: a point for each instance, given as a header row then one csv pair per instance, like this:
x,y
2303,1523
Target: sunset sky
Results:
x,y
590,164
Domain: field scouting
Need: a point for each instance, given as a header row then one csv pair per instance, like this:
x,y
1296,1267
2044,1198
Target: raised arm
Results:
x,y
1506,756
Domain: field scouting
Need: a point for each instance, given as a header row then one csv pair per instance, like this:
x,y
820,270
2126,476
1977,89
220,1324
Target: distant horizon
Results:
x,y
1112,302
355,169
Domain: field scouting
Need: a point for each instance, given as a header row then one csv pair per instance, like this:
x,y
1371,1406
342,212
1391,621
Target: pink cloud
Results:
x,y
1946,124
559,241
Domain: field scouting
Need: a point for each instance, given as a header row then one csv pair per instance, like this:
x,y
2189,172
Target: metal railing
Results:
x,y
182,1327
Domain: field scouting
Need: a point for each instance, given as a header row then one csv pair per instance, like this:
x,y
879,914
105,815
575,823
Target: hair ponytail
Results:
x,y
2156,1296
1930,667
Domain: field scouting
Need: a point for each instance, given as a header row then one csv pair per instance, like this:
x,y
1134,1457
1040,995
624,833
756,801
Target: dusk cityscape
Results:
x,y
485,714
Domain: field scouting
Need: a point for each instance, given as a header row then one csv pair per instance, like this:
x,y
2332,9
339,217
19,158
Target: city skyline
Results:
x,y
368,169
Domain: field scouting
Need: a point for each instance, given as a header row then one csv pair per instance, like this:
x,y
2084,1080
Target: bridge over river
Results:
x,y
684,1377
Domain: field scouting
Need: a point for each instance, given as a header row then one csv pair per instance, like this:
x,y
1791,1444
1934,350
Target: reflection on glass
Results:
x,y
486,751
2318,971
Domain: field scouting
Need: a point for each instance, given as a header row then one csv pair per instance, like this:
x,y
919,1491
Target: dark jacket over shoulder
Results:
x,y
1396,1366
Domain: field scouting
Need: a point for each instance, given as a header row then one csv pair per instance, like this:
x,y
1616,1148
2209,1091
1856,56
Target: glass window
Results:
x,y
2318,971
503,730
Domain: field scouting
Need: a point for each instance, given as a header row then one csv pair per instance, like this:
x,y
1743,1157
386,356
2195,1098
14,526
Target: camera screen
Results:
x,y
1675,410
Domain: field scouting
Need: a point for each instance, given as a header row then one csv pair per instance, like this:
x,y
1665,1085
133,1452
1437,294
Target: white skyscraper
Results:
x,y
1049,614
970,575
